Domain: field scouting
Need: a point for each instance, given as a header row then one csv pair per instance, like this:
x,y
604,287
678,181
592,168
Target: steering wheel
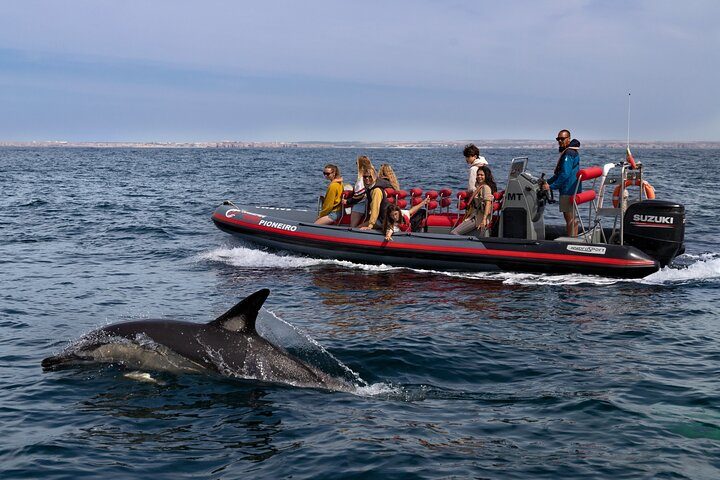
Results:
x,y
543,197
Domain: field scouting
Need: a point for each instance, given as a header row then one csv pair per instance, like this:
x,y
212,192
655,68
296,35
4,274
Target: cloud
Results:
x,y
371,70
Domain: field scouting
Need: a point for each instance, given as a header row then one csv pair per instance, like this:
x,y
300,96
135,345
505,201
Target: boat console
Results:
x,y
522,202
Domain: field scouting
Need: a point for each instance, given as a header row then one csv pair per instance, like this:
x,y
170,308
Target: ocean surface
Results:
x,y
459,375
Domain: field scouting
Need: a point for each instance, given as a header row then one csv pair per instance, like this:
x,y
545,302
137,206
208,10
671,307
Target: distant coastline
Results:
x,y
359,144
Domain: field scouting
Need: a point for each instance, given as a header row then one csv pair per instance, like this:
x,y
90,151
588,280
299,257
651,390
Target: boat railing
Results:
x,y
617,176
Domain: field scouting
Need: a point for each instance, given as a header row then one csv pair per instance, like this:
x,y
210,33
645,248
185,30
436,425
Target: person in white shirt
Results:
x,y
475,161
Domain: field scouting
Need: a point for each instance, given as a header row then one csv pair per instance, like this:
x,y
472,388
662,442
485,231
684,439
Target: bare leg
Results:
x,y
326,220
570,224
356,218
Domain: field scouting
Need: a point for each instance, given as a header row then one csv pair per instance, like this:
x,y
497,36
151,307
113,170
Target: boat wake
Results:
x,y
251,258
687,268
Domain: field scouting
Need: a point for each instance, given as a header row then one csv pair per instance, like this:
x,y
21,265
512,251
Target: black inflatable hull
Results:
x,y
293,231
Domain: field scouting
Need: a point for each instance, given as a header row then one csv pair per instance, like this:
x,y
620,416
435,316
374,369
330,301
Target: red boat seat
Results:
x,y
445,192
584,197
432,194
447,220
589,173
416,192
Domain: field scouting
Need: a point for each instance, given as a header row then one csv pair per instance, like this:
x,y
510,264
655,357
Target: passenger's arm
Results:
x,y
487,212
471,179
388,234
413,210
375,207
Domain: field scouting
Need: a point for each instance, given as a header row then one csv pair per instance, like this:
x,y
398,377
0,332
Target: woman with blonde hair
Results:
x,y
388,174
359,198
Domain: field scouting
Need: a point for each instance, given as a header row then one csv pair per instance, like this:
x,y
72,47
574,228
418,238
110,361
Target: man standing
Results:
x,y
565,178
475,161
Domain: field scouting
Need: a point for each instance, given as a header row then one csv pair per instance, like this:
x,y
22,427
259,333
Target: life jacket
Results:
x,y
380,184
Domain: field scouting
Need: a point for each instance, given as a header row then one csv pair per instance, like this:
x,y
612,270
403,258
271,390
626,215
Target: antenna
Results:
x,y
628,123
628,156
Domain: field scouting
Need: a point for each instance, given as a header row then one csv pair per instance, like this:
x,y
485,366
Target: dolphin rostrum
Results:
x,y
228,345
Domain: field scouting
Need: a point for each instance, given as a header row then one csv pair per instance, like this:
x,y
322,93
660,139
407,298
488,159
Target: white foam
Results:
x,y
687,268
377,389
248,257
251,258
705,268
514,278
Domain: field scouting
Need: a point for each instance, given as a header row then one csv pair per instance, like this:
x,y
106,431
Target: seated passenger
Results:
x,y
358,202
475,161
479,211
376,200
397,220
386,173
331,210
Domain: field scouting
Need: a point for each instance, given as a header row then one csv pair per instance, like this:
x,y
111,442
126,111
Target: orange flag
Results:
x,y
629,158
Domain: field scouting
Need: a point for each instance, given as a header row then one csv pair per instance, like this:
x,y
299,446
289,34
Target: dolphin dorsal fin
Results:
x,y
241,317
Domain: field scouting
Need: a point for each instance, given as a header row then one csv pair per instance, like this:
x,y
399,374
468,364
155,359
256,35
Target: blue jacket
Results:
x,y
566,179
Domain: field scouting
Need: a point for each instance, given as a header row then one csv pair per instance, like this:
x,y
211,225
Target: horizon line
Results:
x,y
339,143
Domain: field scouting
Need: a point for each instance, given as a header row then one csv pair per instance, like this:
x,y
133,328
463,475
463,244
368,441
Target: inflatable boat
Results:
x,y
632,238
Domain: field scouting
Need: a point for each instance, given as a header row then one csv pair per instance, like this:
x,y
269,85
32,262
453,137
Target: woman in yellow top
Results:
x,y
331,210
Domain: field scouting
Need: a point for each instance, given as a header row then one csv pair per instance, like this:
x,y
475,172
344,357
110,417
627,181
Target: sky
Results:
x,y
275,70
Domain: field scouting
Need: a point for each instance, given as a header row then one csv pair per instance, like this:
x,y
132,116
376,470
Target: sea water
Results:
x,y
459,375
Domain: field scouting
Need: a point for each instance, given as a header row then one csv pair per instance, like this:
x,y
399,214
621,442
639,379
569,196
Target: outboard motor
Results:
x,y
657,227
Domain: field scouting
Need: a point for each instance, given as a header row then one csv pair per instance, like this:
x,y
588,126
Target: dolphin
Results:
x,y
228,345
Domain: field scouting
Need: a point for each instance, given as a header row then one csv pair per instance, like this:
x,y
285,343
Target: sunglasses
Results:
x,y
367,176
327,174
561,138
